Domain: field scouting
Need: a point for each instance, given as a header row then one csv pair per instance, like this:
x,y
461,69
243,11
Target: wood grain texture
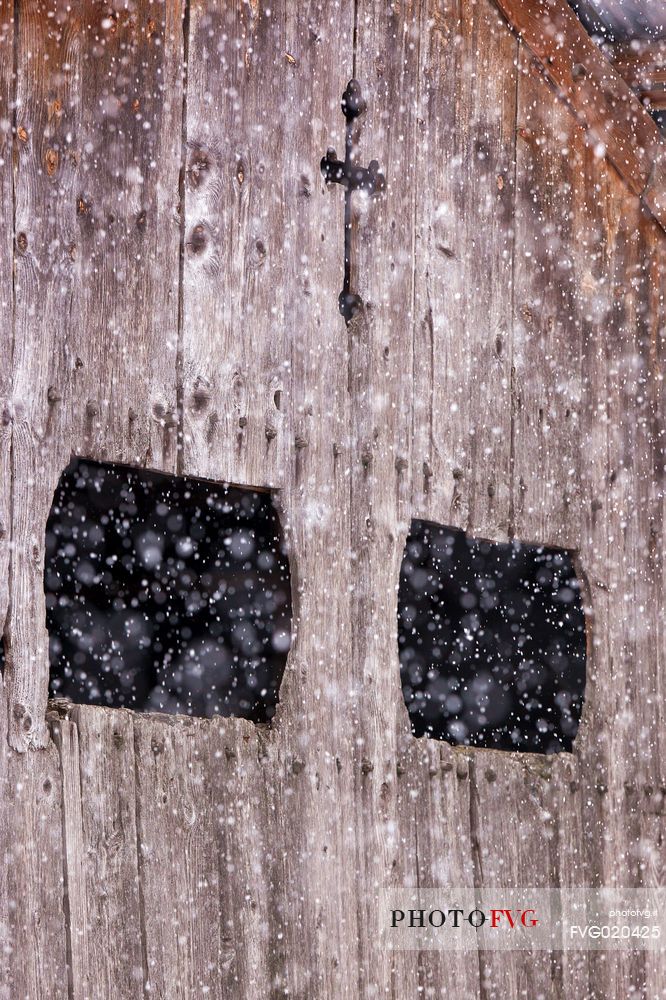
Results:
x,y
6,292
123,348
266,402
464,176
381,361
99,804
44,178
654,195
65,735
96,316
178,865
34,954
515,819
610,111
642,65
622,763
503,272
237,221
309,760
609,322
546,325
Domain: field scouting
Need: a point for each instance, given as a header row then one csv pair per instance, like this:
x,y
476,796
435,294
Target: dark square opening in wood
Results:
x,y
492,641
165,594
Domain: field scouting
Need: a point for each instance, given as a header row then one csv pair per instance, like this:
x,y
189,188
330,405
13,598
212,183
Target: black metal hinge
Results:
x,y
352,177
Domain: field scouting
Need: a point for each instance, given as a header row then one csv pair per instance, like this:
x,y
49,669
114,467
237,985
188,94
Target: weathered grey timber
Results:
x,y
170,262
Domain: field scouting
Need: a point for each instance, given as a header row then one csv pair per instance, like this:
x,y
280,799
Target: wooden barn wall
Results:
x,y
169,270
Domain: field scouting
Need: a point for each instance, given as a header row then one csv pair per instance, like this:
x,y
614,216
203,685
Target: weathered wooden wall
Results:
x,y
169,270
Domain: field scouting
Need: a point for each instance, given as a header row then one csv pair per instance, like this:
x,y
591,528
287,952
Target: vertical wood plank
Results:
x,y
435,786
48,102
6,349
123,351
546,321
33,950
310,767
66,738
242,795
389,42
464,173
265,402
96,278
99,803
237,229
518,816
178,862
621,746
6,291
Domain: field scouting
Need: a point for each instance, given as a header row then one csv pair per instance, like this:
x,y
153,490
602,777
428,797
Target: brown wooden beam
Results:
x,y
642,64
606,106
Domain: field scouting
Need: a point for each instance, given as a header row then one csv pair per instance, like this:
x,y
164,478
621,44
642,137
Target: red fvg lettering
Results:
x,y
496,916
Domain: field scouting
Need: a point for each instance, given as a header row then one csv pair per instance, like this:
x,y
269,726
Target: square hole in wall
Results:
x,y
165,594
491,640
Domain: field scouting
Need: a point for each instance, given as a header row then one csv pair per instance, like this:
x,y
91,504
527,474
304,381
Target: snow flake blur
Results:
x,y
492,641
165,594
